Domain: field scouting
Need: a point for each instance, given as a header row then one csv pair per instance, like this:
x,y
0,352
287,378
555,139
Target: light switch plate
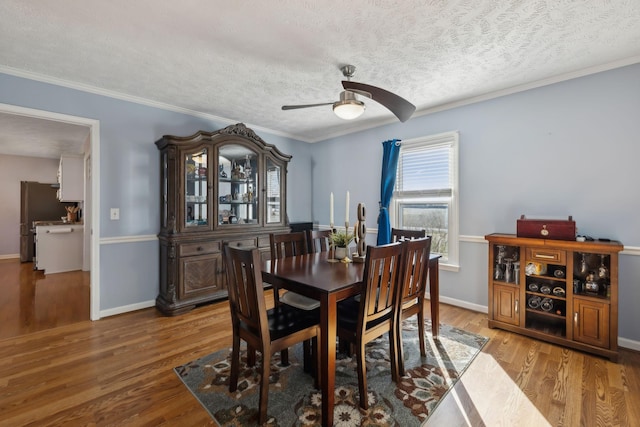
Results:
x,y
115,214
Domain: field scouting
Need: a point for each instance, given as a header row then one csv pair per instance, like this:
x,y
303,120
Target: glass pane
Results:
x,y
431,216
237,183
273,192
196,188
425,169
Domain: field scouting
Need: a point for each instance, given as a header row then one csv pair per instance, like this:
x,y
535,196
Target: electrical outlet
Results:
x,y
115,214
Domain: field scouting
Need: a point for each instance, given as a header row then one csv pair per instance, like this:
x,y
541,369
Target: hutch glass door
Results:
x,y
237,184
196,189
273,192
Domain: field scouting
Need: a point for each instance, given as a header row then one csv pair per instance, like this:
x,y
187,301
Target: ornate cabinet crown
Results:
x,y
227,186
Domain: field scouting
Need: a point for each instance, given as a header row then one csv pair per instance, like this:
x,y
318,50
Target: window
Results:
x,y
426,191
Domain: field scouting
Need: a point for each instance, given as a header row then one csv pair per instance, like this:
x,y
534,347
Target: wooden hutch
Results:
x,y
222,187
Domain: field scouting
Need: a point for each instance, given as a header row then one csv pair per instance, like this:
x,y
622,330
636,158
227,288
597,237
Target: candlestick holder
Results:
x,y
346,259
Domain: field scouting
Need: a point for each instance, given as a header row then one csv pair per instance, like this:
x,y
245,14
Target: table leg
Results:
x,y
328,309
434,298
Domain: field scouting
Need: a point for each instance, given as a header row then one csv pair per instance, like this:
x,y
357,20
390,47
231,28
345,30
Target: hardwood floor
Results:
x,y
118,371
32,301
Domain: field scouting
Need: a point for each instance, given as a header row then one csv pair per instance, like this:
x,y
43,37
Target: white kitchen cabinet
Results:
x,y
59,248
71,178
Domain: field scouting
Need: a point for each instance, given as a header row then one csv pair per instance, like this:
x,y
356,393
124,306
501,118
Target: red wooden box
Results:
x,y
555,229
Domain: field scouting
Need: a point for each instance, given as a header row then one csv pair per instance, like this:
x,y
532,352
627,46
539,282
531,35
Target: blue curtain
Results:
x,y
389,165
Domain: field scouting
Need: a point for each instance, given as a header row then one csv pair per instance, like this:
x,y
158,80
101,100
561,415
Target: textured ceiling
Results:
x,y
242,60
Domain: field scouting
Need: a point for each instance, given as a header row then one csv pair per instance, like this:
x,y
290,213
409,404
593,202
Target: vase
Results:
x,y
341,252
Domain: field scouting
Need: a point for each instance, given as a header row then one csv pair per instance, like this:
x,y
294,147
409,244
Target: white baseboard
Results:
x,y
464,304
126,308
630,344
10,256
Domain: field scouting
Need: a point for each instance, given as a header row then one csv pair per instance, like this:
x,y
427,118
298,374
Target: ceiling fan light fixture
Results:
x,y
348,108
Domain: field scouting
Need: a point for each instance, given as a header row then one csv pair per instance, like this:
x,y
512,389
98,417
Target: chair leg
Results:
x,y
235,364
317,359
362,376
306,353
423,348
264,385
284,357
399,351
395,353
251,356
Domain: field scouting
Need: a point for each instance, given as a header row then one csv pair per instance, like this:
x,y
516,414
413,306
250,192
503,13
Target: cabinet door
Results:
x,y
274,192
196,189
237,177
591,322
506,304
201,275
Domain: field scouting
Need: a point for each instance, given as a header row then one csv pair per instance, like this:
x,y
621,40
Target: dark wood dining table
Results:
x,y
314,276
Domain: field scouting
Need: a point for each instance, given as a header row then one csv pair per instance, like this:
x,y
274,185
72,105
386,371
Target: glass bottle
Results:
x,y
603,271
583,266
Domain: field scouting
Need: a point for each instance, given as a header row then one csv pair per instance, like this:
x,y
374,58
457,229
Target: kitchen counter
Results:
x,y
59,246
43,223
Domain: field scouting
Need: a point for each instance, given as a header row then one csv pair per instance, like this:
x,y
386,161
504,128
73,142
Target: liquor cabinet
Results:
x,y
563,292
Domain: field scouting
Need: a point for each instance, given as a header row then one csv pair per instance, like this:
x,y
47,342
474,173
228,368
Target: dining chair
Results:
x,y
319,240
415,260
265,330
360,322
286,245
399,234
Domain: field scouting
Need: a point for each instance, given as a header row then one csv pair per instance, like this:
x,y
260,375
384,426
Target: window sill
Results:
x,y
449,267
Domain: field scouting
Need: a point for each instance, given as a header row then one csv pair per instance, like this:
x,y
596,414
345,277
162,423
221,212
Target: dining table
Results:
x,y
318,276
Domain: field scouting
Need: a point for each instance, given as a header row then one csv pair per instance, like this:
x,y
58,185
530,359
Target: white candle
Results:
x,y
331,209
346,214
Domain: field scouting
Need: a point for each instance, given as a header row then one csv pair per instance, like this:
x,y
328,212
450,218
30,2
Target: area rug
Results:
x,y
293,400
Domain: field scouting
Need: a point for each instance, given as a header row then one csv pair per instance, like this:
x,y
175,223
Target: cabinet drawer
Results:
x,y
243,243
263,242
200,248
543,255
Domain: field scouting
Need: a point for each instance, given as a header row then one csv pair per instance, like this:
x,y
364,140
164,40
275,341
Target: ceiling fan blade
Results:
x,y
399,106
294,107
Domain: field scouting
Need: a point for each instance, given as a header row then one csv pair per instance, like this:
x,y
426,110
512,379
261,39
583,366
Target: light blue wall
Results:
x,y
129,177
565,149
570,148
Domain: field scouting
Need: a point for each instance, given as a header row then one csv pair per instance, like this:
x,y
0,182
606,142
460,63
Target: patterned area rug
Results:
x,y
293,401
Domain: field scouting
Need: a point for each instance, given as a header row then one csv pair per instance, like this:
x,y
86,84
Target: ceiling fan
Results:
x,y
349,107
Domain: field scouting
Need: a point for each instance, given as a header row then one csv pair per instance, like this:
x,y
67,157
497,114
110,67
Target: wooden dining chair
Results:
x,y
265,330
399,234
286,245
318,240
415,261
360,322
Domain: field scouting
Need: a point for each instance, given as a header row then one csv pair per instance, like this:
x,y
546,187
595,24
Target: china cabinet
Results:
x,y
216,188
564,292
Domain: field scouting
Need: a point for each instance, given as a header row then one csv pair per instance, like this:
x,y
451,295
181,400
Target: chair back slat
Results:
x,y
399,234
288,244
318,240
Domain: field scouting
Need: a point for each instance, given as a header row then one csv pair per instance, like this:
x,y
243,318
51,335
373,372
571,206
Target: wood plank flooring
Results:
x,y
32,301
118,372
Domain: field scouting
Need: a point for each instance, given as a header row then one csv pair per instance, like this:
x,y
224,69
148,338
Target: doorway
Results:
x,y
92,195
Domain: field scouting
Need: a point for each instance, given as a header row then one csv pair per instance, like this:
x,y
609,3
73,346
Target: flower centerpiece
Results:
x,y
340,240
